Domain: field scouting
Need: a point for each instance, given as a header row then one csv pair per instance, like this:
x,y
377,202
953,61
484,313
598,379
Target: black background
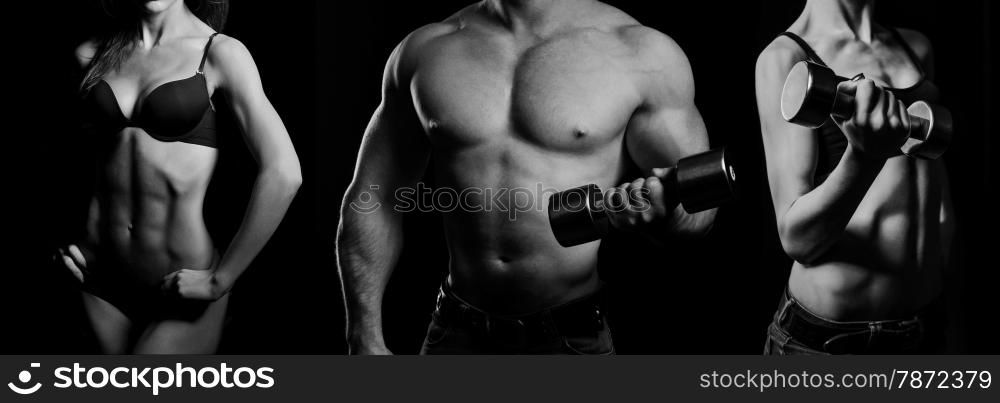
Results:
x,y
321,65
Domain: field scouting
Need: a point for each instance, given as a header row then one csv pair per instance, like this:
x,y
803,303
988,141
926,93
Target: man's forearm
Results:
x,y
364,286
367,249
692,225
681,224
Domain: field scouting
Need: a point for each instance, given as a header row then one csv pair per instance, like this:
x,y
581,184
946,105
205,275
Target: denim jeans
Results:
x,y
796,331
576,327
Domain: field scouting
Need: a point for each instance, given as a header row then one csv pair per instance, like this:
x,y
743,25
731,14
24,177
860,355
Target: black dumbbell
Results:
x,y
810,97
700,182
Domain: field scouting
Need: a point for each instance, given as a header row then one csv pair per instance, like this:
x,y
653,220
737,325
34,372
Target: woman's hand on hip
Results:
x,y
73,259
194,284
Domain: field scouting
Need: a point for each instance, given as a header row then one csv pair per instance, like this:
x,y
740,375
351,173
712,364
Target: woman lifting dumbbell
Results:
x,y
862,203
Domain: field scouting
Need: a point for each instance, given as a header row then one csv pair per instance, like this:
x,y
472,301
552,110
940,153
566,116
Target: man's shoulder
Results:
x,y
604,16
421,37
664,71
650,45
427,34
641,39
408,52
630,33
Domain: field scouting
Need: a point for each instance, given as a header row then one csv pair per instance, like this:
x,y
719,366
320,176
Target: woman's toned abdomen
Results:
x,y
151,196
887,264
163,235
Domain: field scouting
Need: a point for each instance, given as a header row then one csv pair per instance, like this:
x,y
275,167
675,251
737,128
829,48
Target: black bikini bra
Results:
x,y
175,111
833,142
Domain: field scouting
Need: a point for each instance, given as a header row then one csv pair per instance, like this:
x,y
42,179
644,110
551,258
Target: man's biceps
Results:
x,y
392,120
681,128
388,170
694,124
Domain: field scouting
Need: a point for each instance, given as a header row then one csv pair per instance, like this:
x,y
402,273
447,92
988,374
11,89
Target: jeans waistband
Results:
x,y
582,312
855,337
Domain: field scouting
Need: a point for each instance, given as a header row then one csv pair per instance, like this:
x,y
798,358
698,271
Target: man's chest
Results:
x,y
562,95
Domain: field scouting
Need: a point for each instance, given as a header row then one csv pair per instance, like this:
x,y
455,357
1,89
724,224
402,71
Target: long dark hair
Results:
x,y
118,41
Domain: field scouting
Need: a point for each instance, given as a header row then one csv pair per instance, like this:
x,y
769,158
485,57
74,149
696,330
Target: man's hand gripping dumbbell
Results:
x,y
699,182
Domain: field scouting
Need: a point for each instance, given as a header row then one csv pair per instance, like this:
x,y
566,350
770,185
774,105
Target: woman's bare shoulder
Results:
x,y
86,51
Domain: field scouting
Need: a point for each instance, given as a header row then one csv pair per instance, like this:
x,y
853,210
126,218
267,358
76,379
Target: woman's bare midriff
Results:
x,y
889,262
149,220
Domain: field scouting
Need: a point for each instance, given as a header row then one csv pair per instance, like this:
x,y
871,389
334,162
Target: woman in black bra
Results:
x,y
153,280
869,229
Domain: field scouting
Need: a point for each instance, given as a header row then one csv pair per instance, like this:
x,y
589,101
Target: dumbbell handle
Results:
x,y
688,180
844,108
670,189
812,95
699,182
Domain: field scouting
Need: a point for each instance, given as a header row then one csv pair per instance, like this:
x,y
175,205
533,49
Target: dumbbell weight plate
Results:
x,y
930,133
809,94
577,215
809,97
705,181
